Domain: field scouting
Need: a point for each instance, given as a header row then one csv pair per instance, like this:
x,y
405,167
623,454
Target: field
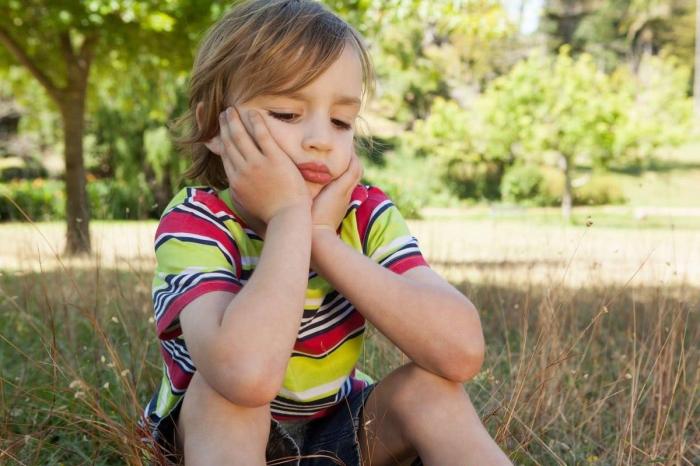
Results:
x,y
592,339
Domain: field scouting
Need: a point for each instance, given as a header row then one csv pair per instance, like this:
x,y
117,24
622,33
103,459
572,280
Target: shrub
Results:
x,y
521,183
40,199
532,185
20,168
44,200
475,180
599,190
114,200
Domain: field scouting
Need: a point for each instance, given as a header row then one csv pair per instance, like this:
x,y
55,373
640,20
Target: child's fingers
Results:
x,y
241,138
353,174
229,168
230,151
268,145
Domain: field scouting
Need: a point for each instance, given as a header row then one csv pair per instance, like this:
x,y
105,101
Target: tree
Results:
x,y
618,31
558,111
60,43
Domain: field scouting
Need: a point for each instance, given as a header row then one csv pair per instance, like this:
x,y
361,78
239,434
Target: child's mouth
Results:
x,y
315,173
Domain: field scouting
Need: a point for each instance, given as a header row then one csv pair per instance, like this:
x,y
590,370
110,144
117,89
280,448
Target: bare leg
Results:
x,y
215,431
415,412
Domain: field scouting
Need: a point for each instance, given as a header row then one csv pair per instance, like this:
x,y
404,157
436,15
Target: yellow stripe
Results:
x,y
304,373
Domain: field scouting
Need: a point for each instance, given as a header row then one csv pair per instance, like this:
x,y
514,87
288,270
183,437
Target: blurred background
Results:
x,y
547,154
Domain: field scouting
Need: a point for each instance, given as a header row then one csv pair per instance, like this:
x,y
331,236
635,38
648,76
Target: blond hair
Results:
x,y
259,47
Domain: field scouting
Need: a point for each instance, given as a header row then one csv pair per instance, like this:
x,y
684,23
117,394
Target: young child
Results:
x,y
266,276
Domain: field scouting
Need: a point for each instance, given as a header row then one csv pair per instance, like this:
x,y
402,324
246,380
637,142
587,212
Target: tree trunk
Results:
x,y
71,101
567,196
77,210
696,69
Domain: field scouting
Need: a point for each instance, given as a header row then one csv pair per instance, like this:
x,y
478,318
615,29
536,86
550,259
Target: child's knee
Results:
x,y
205,408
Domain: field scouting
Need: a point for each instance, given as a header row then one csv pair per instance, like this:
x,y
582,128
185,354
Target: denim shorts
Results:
x,y
328,441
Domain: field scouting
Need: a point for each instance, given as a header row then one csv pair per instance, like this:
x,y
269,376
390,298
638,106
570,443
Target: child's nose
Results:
x,y
318,137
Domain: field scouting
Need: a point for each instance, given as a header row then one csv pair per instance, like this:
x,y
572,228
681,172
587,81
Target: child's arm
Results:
x,y
241,344
422,314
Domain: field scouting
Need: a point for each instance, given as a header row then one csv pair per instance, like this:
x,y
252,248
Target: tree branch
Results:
x,y
87,50
21,55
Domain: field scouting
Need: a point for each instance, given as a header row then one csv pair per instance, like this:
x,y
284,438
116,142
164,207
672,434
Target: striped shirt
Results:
x,y
203,245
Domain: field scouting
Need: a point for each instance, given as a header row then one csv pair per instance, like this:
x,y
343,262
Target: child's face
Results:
x,y
316,124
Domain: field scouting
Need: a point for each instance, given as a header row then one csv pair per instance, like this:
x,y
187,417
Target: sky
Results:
x,y
531,13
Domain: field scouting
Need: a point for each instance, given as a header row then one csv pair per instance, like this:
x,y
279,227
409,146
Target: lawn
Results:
x,y
591,331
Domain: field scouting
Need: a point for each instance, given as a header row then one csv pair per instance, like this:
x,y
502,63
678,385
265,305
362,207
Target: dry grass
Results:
x,y
592,342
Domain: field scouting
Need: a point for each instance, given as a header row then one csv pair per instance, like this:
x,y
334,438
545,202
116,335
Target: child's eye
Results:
x,y
289,117
341,124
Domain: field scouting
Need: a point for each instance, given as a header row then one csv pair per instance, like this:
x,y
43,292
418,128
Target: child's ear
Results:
x,y
214,144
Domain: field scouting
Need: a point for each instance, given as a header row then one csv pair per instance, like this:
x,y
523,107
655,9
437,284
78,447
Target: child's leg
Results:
x,y
215,431
414,412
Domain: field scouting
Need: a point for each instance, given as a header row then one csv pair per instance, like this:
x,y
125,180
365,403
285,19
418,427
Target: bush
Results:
x,y
44,200
532,185
20,168
113,200
479,180
599,190
40,199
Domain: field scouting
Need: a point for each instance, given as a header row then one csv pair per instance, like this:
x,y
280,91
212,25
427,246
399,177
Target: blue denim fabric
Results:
x,y
332,439
333,436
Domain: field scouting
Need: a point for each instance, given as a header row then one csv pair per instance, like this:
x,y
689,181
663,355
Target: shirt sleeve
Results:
x,y
195,254
385,236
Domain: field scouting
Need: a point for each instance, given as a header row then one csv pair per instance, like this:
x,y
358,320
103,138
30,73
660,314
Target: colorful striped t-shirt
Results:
x,y
202,245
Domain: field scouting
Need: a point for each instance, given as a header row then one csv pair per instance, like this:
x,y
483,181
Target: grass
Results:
x,y
592,342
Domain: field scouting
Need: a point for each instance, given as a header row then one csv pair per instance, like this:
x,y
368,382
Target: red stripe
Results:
x,y
319,414
178,378
375,196
184,222
402,265
184,299
322,342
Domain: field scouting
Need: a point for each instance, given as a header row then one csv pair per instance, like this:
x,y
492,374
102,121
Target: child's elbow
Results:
x,y
469,353
249,388
467,365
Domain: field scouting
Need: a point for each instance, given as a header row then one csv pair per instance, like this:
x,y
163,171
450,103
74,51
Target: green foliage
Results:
x,y
44,200
39,199
659,112
541,186
114,200
521,183
20,168
426,50
599,190
446,138
532,185
549,107
622,32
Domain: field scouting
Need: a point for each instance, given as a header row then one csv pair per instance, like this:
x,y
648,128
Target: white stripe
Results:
x,y
347,337
330,323
377,209
400,253
178,235
205,217
163,299
247,261
313,392
323,309
395,244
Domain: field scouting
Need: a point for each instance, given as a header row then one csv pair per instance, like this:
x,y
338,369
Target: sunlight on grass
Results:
x,y
592,341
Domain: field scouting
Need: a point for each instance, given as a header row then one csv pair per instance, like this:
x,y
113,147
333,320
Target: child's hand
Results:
x,y
331,203
262,177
